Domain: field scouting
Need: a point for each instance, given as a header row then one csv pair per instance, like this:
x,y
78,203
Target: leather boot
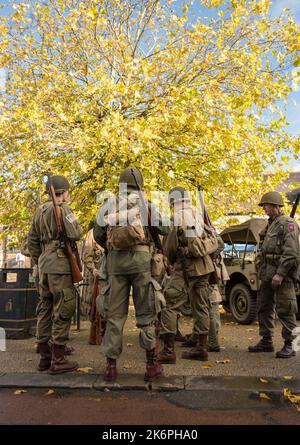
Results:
x,y
265,344
111,373
167,355
45,360
287,350
154,369
200,352
59,364
69,350
189,342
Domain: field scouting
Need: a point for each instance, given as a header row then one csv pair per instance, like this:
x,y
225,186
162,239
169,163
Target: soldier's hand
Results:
x,y
96,273
276,280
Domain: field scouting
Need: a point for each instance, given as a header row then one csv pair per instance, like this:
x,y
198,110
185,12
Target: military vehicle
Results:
x,y
240,292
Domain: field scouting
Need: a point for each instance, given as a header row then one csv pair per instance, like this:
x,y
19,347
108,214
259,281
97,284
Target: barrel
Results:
x,y
18,301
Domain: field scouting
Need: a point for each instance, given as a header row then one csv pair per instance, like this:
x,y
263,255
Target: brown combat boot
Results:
x,y
59,364
264,345
45,353
287,350
69,350
189,341
167,355
199,352
154,369
111,373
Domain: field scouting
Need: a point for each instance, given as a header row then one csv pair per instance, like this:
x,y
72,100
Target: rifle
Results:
x,y
295,205
69,247
207,220
95,337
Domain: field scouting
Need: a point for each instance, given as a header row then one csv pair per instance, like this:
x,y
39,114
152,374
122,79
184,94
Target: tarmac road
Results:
x,y
69,407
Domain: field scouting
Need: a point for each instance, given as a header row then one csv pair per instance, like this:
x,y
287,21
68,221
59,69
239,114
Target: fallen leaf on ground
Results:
x,y
293,398
223,361
250,330
264,381
29,360
264,396
250,338
287,377
50,392
206,366
85,370
20,391
129,345
126,366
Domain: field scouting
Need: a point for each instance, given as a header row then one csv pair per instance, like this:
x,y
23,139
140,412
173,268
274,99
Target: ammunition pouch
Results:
x,y
68,304
101,300
202,246
157,295
157,264
271,258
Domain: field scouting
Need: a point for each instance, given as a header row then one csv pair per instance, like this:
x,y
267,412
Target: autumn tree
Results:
x,y
94,86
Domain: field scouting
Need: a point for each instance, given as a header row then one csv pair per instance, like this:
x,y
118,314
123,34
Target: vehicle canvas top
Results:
x,y
247,231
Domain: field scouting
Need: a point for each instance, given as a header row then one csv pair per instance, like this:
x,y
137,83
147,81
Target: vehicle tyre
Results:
x,y
243,304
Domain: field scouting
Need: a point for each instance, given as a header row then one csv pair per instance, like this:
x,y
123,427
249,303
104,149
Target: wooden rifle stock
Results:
x,y
69,247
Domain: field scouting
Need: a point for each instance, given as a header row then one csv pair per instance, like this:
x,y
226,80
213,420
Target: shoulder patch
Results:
x,y
71,218
291,227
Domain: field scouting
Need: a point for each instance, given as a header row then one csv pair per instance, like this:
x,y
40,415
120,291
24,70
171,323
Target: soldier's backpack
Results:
x,y
206,244
125,228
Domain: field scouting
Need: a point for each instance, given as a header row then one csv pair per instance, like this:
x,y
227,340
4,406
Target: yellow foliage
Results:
x,y
90,91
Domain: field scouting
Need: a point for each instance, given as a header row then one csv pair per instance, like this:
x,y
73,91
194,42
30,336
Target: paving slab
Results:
x,y
124,382
168,384
227,383
44,380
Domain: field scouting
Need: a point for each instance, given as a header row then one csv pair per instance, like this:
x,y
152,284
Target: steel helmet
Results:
x,y
132,176
271,198
60,184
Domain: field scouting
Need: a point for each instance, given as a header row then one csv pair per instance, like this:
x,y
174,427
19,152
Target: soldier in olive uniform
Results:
x,y
190,277
57,292
91,256
278,261
128,268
